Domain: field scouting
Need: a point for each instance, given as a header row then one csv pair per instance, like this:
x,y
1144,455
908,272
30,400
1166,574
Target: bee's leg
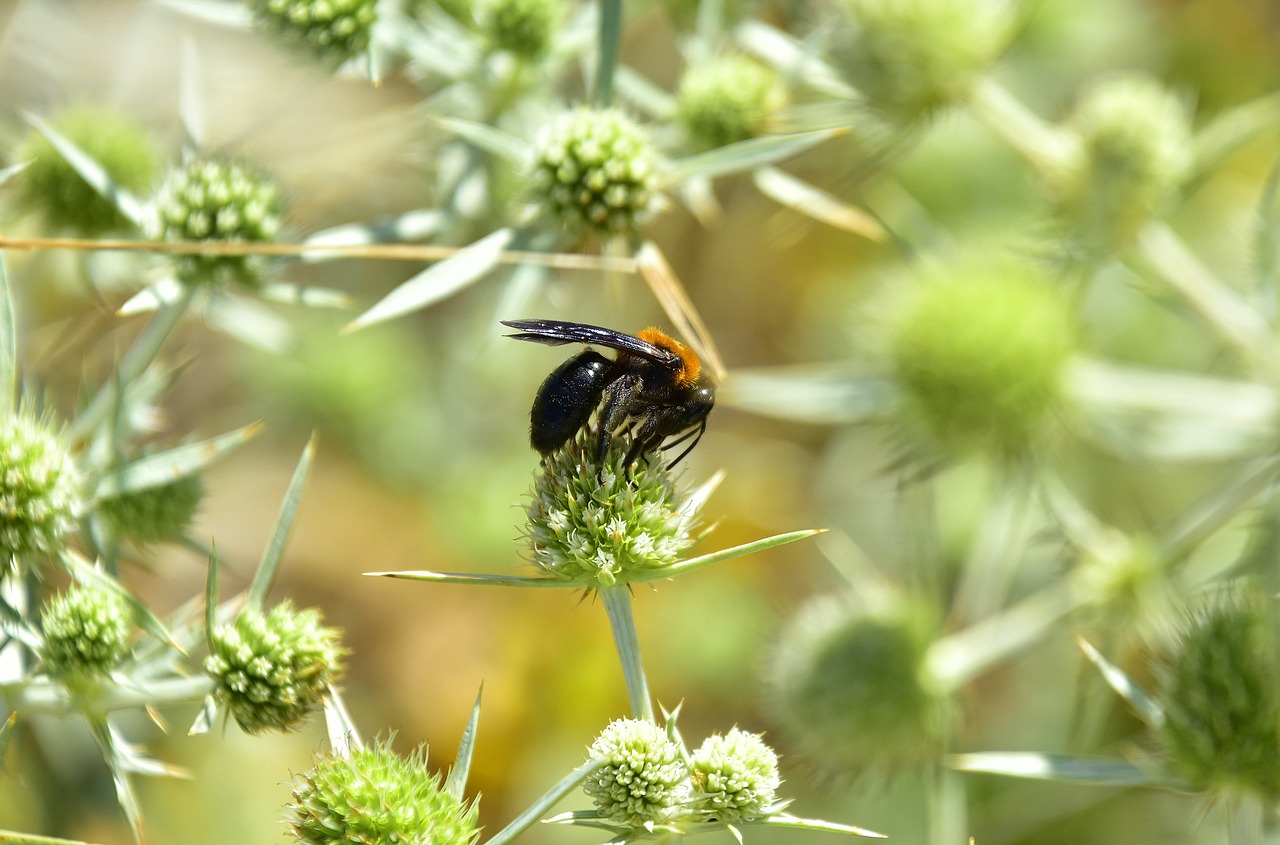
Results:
x,y
619,399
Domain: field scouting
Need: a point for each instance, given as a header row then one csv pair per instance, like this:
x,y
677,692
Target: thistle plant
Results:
x,y
334,30
86,632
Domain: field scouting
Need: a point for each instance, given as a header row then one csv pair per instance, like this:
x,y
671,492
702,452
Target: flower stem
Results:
x,y
617,604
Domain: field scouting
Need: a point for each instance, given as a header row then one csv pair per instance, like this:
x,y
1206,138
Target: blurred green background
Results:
x,y
423,458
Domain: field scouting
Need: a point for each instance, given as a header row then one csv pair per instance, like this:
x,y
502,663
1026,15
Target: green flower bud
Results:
x,y
1135,151
598,525
373,796
524,28
86,632
911,57
980,354
851,688
39,489
208,200
727,99
595,173
274,669
644,780
735,777
1220,693
155,514
53,188
332,29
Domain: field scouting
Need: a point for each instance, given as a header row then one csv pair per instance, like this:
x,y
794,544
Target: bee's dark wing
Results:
x,y
558,333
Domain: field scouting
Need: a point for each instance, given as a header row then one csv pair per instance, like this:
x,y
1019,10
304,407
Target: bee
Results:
x,y
654,387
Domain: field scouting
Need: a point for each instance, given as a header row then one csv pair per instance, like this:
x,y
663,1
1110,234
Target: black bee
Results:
x,y
654,387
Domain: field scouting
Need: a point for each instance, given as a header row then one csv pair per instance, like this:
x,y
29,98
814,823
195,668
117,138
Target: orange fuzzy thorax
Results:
x,y
690,366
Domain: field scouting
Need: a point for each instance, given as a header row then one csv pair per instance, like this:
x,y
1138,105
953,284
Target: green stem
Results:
x,y
135,361
948,813
1245,827
55,699
1050,150
617,604
610,44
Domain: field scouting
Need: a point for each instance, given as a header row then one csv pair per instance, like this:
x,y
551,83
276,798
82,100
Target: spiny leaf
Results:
x,y
266,574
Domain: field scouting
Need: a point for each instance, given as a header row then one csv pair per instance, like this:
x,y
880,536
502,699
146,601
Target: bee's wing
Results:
x,y
558,333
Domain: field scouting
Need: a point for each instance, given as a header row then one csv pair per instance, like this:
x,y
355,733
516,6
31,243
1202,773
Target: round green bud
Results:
x,y
208,200
980,354
1220,693
850,686
727,99
911,57
39,489
52,187
595,173
159,514
273,669
1135,150
524,28
599,525
333,29
86,631
735,777
373,796
644,778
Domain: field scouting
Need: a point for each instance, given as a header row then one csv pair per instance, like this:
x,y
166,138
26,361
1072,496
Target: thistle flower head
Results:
x,y
86,632
727,99
374,796
332,29
53,188
852,688
1220,693
912,57
154,514
1135,140
734,776
273,669
39,489
600,524
524,28
209,200
980,353
644,778
595,173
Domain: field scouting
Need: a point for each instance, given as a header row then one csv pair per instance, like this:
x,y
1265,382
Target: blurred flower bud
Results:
x,y
727,99
524,28
159,514
332,29
39,489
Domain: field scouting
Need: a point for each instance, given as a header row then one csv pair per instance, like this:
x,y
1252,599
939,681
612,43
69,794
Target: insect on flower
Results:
x,y
653,388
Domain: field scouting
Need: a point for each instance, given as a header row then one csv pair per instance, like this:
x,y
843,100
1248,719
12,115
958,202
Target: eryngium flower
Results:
x,y
522,27
644,779
1220,693
52,187
39,489
208,200
735,777
154,514
599,524
273,669
726,99
595,172
86,631
332,29
980,353
373,796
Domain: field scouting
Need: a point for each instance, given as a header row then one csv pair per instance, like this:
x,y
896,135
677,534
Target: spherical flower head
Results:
x,y
911,57
595,173
273,669
644,778
374,796
524,28
727,99
599,525
40,486
1220,693
210,200
52,187
154,514
980,354
851,687
86,632
1135,151
335,30
735,777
